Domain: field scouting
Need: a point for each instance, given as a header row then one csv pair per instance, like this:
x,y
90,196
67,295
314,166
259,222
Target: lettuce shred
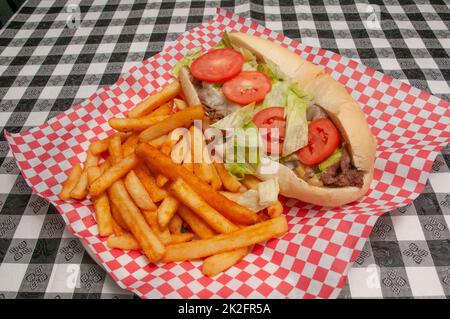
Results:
x,y
186,60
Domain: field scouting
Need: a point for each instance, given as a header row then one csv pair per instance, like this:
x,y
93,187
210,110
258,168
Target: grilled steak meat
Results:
x,y
343,173
214,102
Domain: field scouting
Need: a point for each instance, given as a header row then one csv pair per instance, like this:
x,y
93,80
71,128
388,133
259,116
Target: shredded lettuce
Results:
x,y
272,71
186,60
290,158
236,119
281,86
250,66
273,76
239,170
296,122
296,101
250,63
243,150
224,42
250,141
268,191
331,160
277,96
217,85
249,199
247,54
300,93
247,145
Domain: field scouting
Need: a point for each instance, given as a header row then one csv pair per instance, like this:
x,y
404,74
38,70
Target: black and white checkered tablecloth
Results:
x,y
50,61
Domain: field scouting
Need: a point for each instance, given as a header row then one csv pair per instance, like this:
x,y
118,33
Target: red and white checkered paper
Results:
x,y
313,258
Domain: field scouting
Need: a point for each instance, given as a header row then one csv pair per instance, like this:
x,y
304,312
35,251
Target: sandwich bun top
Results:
x,y
342,109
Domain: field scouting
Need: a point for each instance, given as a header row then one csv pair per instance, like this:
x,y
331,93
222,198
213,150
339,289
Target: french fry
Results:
x,y
197,144
104,167
201,161
117,230
146,169
165,149
166,211
175,224
159,141
275,209
115,149
101,146
135,125
262,215
81,189
216,182
175,136
125,242
215,264
93,173
206,172
181,237
196,224
71,182
181,118
101,205
181,105
130,144
188,162
138,192
183,192
165,236
243,189
189,166
103,215
229,181
151,216
118,217
180,149
163,165
250,181
203,171
147,239
241,238
91,160
153,101
113,174
161,180
165,109
156,193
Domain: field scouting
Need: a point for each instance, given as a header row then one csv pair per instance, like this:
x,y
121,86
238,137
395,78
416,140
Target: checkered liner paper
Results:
x,y
313,258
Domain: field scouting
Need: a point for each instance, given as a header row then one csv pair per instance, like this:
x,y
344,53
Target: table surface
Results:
x,y
49,62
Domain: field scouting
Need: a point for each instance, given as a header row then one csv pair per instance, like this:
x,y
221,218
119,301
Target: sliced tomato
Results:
x,y
247,87
271,119
217,65
323,140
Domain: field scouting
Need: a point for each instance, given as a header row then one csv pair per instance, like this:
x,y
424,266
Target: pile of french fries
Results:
x,y
170,210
